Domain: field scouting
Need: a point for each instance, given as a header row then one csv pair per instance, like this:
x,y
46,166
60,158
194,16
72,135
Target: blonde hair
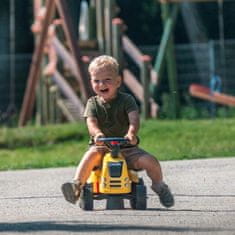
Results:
x,y
103,63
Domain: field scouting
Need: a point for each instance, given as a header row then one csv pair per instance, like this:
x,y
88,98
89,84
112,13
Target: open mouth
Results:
x,y
104,90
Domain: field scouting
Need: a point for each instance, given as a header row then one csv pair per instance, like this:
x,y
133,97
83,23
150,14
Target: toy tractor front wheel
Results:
x,y
138,199
86,198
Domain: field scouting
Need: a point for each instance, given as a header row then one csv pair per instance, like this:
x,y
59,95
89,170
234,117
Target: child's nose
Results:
x,y
102,82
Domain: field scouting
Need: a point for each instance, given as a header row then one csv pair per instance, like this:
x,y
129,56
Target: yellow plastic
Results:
x,y
104,183
94,178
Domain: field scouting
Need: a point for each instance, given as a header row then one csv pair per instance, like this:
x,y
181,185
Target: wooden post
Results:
x,y
145,78
58,113
45,100
29,97
168,29
92,21
37,6
74,12
108,15
117,24
171,64
53,105
100,24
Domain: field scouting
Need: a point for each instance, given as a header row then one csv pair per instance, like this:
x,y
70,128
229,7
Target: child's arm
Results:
x,y
134,122
93,128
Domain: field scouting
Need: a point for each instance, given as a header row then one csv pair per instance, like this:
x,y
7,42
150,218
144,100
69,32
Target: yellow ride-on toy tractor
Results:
x,y
113,181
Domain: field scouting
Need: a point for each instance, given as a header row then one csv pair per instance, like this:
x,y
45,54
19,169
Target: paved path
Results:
x,y
31,203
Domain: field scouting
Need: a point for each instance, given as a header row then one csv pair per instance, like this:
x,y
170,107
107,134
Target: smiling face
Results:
x,y
105,80
105,84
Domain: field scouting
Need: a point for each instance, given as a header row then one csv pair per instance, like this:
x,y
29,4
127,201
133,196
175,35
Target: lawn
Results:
x,y
64,145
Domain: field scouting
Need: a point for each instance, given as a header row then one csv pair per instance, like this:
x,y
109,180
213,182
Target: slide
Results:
x,y
205,93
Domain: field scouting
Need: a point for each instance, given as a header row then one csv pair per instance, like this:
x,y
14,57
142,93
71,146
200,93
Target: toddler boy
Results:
x,y
112,113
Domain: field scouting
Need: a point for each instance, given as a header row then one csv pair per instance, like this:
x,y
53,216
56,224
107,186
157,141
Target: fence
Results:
x,y
195,64
12,83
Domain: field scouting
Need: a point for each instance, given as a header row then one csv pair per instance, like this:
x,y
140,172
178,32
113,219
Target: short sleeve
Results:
x,y
130,104
90,109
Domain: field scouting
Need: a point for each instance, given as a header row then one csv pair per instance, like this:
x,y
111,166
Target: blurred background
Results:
x,y
202,48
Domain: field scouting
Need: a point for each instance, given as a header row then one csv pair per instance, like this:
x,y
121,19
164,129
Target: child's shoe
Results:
x,y
71,191
164,193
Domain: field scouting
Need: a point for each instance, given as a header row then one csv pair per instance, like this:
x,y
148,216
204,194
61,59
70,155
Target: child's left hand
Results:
x,y
132,138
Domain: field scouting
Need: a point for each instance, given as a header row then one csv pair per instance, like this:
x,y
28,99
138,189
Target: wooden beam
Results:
x,y
67,91
29,96
145,75
132,83
100,25
73,44
168,29
130,48
137,56
108,16
66,57
65,110
170,58
205,93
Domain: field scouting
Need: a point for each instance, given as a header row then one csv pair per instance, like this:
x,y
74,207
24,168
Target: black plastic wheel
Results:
x,y
139,196
86,198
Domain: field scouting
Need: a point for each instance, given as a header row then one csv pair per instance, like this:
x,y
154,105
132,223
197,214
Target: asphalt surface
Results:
x,y
31,203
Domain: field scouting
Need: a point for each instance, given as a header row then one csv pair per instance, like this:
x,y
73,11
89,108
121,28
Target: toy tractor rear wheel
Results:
x,y
86,198
139,196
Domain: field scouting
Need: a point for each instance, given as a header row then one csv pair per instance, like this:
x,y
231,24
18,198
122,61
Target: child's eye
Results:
x,y
96,81
108,80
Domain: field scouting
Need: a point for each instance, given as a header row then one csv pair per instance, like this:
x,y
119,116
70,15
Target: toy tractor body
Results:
x,y
114,181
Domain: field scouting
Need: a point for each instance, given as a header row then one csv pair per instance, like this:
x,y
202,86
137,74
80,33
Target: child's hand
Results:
x,y
132,138
96,138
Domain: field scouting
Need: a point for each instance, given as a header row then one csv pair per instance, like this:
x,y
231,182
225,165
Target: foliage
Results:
x,y
36,136
193,110
188,139
64,145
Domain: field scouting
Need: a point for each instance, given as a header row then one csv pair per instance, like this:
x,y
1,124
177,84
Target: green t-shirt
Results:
x,y
112,116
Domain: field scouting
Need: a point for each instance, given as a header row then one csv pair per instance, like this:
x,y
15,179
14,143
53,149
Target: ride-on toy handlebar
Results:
x,y
113,140
114,143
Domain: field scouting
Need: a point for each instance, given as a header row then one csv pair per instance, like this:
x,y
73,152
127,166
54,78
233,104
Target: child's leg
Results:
x,y
91,159
153,170
139,159
152,167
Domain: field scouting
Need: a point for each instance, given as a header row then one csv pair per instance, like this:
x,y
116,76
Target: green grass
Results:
x,y
64,145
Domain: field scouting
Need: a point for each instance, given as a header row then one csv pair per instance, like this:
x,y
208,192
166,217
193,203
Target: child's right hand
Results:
x,y
132,139
96,138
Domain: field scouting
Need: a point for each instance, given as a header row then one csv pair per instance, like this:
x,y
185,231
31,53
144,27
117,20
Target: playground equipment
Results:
x,y
60,60
58,53
205,93
114,181
166,55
